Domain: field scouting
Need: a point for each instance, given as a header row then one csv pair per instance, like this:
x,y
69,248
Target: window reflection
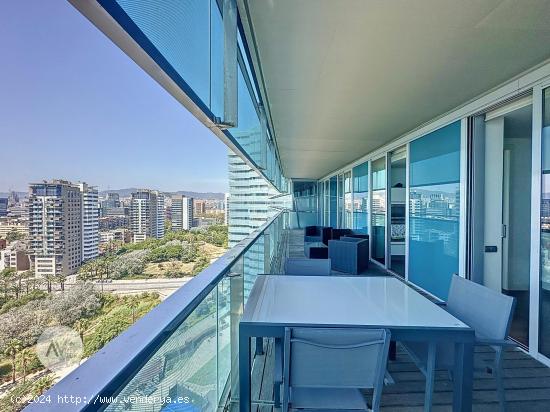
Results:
x,y
347,201
434,209
378,210
544,331
360,197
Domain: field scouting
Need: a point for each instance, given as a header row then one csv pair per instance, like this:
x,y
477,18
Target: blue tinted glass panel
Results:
x,y
333,202
544,299
253,264
184,366
361,197
436,157
348,202
434,209
378,228
180,31
379,174
224,334
305,203
248,132
216,60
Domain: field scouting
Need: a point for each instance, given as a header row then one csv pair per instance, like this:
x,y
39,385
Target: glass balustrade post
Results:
x,y
236,306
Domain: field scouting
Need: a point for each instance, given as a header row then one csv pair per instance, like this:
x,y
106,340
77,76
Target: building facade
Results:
x,y
3,206
112,202
8,225
200,206
15,257
62,226
90,222
248,202
147,215
182,212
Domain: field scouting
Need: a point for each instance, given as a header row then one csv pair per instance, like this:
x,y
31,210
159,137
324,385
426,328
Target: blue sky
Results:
x,y
74,106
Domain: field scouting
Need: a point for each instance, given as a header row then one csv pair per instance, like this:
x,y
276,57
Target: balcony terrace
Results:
x,y
187,347
526,380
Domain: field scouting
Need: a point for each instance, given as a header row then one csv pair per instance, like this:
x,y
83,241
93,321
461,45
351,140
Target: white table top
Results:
x,y
347,301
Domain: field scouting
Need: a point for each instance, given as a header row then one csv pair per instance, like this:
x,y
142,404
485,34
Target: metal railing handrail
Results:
x,y
104,374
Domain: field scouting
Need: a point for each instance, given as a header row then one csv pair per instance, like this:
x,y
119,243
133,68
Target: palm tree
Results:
x,y
81,326
49,280
6,280
103,271
43,384
133,304
25,357
61,278
11,350
28,275
17,283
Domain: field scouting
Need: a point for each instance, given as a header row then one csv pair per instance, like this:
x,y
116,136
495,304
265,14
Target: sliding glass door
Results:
x,y
434,209
397,177
347,217
333,206
544,295
361,198
378,210
326,203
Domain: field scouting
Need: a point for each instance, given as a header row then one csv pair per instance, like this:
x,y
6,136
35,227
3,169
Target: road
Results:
x,y
165,287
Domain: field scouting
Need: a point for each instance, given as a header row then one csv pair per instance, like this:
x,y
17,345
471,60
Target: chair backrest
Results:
x,y
335,358
483,309
352,239
307,267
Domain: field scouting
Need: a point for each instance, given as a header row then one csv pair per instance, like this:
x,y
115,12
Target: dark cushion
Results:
x,y
338,233
358,235
318,253
351,239
326,234
312,231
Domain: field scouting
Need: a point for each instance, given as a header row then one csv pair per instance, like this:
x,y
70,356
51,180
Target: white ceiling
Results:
x,y
344,77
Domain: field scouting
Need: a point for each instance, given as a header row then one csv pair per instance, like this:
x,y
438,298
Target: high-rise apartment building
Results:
x,y
90,222
248,201
147,215
226,209
161,215
112,203
3,206
200,206
182,212
63,226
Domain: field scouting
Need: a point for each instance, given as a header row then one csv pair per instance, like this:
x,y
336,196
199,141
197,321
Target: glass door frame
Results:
x,y
536,198
405,148
371,214
349,173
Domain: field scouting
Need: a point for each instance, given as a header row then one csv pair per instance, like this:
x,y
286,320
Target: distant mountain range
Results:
x,y
197,195
127,192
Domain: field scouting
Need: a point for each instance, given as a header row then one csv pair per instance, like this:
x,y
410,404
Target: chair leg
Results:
x,y
277,395
393,351
430,372
259,346
497,372
278,373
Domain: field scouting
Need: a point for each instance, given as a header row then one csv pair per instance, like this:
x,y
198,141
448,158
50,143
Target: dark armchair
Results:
x,y
349,254
315,233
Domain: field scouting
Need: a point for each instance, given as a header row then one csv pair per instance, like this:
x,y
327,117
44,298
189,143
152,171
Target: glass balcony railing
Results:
x,y
186,349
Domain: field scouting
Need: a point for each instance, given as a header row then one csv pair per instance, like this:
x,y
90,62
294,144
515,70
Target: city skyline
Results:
x,y
96,116
4,192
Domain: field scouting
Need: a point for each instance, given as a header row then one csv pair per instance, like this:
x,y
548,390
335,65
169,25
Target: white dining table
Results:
x,y
277,302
